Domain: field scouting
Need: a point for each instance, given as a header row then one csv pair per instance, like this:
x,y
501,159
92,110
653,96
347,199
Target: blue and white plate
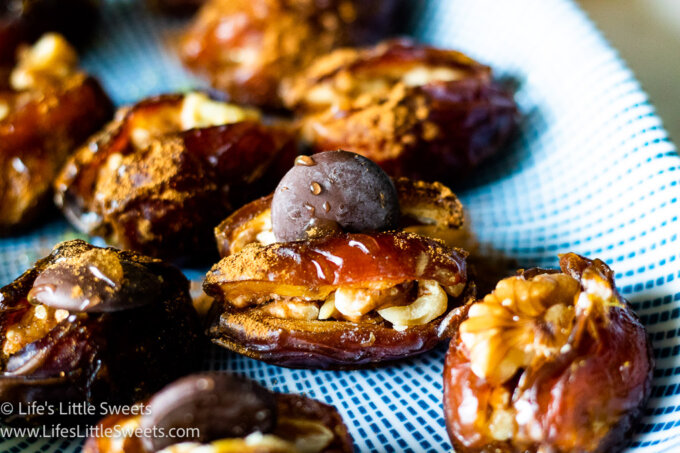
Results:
x,y
592,172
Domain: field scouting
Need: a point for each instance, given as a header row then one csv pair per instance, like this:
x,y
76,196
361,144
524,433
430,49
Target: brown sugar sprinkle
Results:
x,y
315,188
305,161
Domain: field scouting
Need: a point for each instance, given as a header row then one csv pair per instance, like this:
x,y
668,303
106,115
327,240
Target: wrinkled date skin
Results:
x,y
415,110
291,407
311,270
164,198
40,130
431,208
585,398
270,40
98,354
25,20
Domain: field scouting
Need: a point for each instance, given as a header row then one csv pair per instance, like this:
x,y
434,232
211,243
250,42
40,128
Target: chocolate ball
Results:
x,y
96,281
220,405
331,192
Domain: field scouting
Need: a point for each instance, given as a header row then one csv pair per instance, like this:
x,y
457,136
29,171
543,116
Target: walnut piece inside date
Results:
x,y
166,170
553,361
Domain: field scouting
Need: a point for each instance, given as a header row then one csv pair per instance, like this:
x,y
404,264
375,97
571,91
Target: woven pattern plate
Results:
x,y
592,171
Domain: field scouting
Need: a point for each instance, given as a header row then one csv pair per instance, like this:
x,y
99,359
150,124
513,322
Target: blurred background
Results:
x,y
647,35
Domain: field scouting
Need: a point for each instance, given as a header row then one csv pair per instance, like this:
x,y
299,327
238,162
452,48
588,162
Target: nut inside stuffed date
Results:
x,y
553,361
162,174
62,325
346,292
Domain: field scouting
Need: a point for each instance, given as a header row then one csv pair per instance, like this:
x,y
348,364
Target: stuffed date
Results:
x,y
342,300
417,111
429,209
89,324
230,414
47,108
167,170
549,361
246,47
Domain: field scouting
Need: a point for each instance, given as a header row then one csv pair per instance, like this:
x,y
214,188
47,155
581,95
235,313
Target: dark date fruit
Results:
x,y
339,301
270,40
336,191
129,329
218,404
47,108
415,110
549,361
168,169
238,415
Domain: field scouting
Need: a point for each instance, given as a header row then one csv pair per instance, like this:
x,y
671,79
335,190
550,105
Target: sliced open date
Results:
x,y
270,40
47,108
166,170
340,301
416,110
87,324
549,361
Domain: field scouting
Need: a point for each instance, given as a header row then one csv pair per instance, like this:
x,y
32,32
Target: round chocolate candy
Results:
x,y
333,191
97,281
220,405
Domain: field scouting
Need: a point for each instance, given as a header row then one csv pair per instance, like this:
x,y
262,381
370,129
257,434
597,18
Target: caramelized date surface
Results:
x,y
47,108
548,361
91,324
340,301
269,40
167,169
278,423
430,209
417,111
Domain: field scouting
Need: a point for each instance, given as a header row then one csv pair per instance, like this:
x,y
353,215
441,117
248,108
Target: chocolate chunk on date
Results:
x,y
23,21
333,191
218,404
97,281
232,415
339,301
168,169
427,208
88,324
549,361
